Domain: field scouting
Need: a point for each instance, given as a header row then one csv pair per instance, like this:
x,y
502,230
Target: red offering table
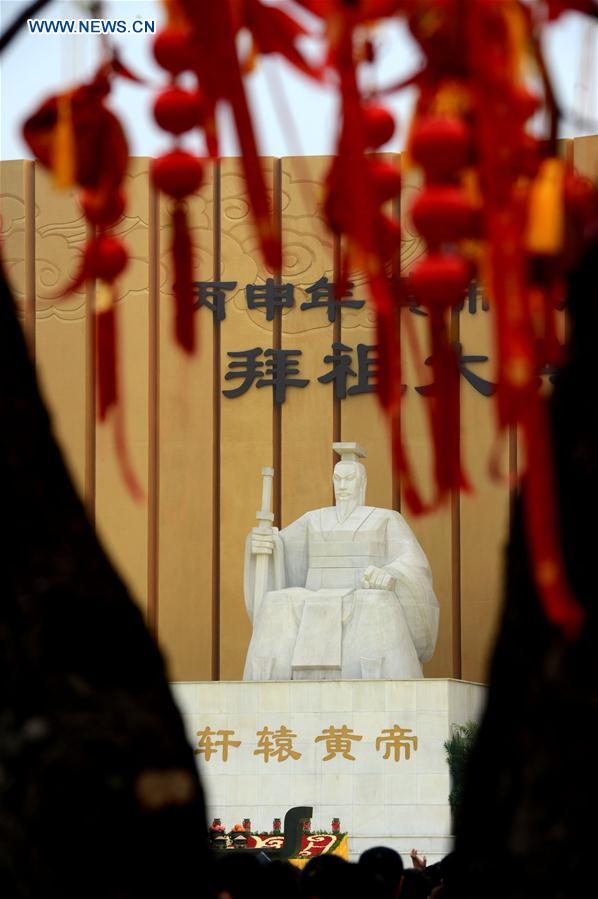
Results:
x,y
312,844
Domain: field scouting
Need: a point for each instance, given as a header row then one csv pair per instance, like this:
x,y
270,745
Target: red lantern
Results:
x,y
438,27
443,214
441,145
523,103
172,49
105,258
177,110
581,198
528,156
388,235
177,173
440,280
379,125
386,180
103,209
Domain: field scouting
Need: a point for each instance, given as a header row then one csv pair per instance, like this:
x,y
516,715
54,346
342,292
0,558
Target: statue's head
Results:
x,y
349,481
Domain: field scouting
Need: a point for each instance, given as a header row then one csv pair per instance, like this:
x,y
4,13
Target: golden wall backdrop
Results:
x,y
200,454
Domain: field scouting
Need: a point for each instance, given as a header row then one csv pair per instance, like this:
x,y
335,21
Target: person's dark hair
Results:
x,y
416,885
329,877
280,880
325,877
447,866
387,864
239,874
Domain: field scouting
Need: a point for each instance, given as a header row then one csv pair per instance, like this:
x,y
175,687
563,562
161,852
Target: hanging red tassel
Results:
x,y
78,138
106,349
179,174
122,454
445,409
184,317
109,399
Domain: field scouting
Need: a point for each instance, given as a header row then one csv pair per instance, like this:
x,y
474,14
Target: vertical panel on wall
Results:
x,y
585,156
434,531
246,444
186,403
60,338
362,418
122,522
307,413
16,213
484,512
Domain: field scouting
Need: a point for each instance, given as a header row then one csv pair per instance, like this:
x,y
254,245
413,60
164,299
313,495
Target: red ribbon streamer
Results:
x,y
106,356
182,253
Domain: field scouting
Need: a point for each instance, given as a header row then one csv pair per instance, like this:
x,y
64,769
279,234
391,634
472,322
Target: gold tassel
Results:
x,y
453,98
63,155
516,24
545,225
104,297
250,62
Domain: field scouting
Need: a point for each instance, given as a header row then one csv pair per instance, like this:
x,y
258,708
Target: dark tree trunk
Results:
x,y
99,795
528,823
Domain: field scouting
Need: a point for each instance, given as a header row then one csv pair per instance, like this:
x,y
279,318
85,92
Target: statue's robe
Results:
x,y
315,620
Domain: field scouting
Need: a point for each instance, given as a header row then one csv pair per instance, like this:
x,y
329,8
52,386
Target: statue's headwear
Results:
x,y
349,452
353,452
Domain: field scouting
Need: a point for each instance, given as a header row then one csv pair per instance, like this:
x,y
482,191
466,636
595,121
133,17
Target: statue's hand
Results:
x,y
377,579
262,541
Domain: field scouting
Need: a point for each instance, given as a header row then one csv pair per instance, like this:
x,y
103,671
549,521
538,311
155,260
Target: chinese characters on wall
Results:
x,y
351,370
272,296
278,368
393,743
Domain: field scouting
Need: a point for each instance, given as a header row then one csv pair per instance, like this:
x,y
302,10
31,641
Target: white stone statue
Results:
x,y
342,593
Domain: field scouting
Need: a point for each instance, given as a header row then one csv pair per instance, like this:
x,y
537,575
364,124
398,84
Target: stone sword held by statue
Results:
x,y
264,519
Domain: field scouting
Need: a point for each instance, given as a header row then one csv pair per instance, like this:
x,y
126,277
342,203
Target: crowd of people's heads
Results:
x,y
379,874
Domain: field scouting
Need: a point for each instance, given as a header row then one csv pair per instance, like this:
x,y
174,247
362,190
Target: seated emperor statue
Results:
x,y
347,594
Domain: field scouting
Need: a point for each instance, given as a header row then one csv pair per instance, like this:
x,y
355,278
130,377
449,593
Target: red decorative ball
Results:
x,y
437,27
388,236
177,110
104,209
580,193
386,179
379,125
177,173
105,257
581,204
440,280
441,145
172,49
443,214
523,103
527,156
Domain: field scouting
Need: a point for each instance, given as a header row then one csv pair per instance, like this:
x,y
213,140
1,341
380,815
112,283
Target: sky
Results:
x,y
294,114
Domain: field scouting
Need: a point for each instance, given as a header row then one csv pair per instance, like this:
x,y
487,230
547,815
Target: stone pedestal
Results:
x,y
263,747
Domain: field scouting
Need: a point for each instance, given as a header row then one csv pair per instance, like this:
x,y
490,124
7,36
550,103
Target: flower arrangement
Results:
x,y
313,842
217,826
217,829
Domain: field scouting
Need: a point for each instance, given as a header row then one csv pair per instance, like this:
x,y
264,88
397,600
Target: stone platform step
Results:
x,y
434,848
